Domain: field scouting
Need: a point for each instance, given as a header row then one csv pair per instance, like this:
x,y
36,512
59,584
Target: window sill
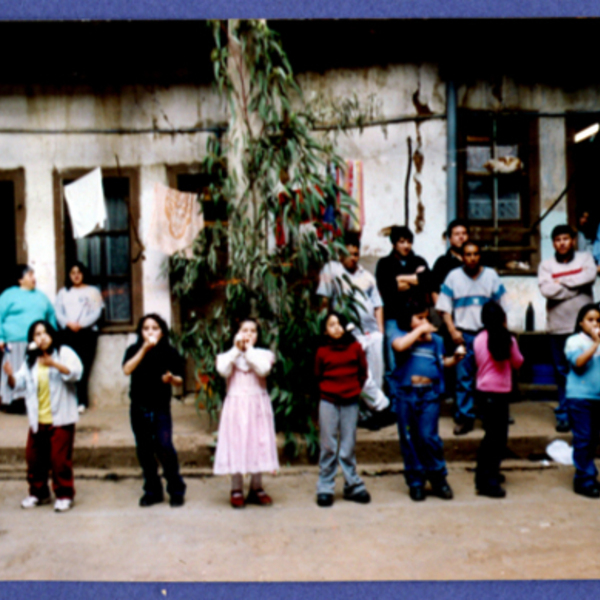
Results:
x,y
110,329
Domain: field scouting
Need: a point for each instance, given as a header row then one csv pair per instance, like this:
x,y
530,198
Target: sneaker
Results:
x,y
362,497
589,491
492,491
63,504
33,501
417,493
176,501
324,499
237,499
150,499
258,496
81,409
463,428
442,490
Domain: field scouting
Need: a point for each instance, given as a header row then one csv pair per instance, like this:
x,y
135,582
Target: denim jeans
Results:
x,y
561,369
494,415
337,420
465,383
584,417
153,431
392,331
418,411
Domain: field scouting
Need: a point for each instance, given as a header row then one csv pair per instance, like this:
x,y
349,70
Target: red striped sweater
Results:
x,y
341,371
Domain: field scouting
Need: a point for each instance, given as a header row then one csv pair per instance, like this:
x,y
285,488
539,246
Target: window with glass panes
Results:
x,y
109,253
498,187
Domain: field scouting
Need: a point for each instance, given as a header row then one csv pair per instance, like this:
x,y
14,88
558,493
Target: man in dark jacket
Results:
x,y
403,278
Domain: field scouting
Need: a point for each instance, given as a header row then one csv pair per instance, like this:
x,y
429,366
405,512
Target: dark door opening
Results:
x,y
8,234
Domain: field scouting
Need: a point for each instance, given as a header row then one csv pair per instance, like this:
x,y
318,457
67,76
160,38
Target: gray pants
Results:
x,y
334,420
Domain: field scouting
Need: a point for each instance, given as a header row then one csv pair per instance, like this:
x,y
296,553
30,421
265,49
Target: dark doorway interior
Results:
x,y
8,234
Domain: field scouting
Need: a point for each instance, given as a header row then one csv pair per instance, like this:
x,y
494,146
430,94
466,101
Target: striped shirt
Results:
x,y
463,296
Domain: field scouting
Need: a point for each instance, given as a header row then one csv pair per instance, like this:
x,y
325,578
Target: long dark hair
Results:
x,y
584,310
345,340
161,323
84,272
32,355
499,343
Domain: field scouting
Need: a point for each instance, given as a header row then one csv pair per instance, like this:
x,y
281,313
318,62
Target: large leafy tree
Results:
x,y
284,212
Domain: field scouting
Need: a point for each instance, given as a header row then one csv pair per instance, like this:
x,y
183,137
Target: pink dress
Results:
x,y
246,440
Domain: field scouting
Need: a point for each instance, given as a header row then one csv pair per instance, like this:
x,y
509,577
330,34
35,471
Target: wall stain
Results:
x,y
419,159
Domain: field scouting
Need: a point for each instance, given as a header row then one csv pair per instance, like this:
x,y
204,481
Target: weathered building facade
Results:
x,y
145,116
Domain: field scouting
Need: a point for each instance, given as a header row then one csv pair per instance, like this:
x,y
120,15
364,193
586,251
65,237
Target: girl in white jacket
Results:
x,y
246,439
48,377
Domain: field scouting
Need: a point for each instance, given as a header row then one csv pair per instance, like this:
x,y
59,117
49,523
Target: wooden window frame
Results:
x,y
137,292
530,202
17,176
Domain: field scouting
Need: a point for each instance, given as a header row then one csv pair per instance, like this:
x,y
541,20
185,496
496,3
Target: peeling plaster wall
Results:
x,y
131,107
401,90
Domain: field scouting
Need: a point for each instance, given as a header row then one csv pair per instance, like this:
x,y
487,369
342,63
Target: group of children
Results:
x,y
246,439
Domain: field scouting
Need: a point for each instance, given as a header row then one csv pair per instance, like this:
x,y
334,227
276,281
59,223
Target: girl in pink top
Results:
x,y
496,355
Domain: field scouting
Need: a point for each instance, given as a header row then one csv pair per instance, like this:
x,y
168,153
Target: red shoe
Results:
x,y
259,497
237,499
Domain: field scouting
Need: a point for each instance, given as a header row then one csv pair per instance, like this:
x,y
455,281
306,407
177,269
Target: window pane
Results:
x,y
479,200
477,156
116,209
117,255
509,200
506,150
89,253
118,302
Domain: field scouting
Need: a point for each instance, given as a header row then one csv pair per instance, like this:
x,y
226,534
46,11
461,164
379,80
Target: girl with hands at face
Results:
x,y
246,438
583,398
154,365
47,378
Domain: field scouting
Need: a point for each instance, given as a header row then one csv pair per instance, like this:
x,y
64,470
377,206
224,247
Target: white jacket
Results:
x,y
63,396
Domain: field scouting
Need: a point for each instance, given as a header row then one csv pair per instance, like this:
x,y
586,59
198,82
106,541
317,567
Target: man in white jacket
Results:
x,y
566,281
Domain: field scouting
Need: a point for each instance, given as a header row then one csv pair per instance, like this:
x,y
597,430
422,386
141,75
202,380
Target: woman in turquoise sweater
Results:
x,y
20,306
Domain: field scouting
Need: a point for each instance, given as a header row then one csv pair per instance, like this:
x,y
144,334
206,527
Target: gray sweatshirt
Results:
x,y
567,287
80,305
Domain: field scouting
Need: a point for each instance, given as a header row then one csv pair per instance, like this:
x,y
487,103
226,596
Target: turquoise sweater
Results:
x,y
582,382
19,308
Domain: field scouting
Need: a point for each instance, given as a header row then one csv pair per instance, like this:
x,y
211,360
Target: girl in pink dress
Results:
x,y
246,439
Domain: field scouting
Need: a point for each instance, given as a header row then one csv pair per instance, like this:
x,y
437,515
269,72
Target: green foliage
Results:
x,y
237,270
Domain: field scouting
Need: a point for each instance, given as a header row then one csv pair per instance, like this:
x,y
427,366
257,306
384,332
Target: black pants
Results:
x,y
153,431
84,343
494,415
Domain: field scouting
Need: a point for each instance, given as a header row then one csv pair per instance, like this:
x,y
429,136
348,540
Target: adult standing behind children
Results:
x,y
347,278
566,281
78,310
457,235
20,306
462,295
403,279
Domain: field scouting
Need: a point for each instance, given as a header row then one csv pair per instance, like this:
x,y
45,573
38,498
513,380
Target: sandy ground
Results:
x,y
542,530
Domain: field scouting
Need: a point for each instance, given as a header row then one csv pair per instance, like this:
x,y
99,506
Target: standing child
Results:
x,y
154,365
341,371
246,439
417,383
496,355
583,398
48,377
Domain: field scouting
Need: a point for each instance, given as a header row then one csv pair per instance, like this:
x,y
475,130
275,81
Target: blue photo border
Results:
x,y
35,10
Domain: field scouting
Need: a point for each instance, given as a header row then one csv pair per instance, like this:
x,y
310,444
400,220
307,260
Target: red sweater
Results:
x,y
341,372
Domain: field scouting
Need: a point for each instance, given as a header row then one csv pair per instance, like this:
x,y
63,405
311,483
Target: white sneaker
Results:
x,y
33,501
63,504
81,409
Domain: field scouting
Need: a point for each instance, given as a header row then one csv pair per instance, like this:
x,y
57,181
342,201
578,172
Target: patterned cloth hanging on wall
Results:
x,y
351,180
176,220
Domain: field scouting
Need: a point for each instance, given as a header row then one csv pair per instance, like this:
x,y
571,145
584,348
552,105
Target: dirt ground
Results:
x,y
541,530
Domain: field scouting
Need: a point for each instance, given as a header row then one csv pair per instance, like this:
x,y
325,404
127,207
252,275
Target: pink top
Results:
x,y
494,376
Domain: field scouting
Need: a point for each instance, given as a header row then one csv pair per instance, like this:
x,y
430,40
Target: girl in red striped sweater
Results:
x,y
340,371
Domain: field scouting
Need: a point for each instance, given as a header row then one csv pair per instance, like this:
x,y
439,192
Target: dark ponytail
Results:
x,y
499,338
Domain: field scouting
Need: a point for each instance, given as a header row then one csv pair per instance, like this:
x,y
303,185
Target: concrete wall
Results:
x,y
39,155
